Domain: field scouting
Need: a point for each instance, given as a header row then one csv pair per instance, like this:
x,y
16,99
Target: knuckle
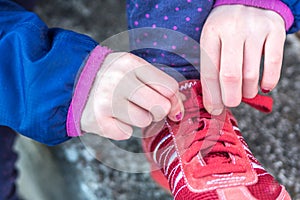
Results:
x,y
208,29
275,26
250,77
124,61
102,104
275,60
280,32
230,77
124,58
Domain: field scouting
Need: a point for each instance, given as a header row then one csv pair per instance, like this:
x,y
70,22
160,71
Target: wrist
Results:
x,y
275,5
82,89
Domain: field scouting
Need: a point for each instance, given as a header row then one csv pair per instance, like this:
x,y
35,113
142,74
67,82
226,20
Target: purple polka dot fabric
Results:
x,y
167,33
8,157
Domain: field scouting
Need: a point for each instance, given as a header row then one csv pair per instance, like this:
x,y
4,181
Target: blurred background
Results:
x,y
70,171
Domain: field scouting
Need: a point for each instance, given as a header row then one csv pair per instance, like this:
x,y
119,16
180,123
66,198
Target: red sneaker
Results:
x,y
205,157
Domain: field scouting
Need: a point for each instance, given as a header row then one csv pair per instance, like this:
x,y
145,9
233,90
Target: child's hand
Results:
x,y
232,43
128,92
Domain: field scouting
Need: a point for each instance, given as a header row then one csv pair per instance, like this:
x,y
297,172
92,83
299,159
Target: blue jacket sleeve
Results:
x,y
294,5
38,68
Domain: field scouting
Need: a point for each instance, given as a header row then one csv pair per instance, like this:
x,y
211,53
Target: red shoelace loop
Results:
x,y
210,141
213,147
214,141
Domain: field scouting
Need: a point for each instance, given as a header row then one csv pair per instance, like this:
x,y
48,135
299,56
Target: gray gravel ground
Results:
x,y
273,138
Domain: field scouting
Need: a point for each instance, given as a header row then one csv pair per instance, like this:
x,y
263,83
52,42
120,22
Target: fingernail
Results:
x,y
265,90
216,111
178,116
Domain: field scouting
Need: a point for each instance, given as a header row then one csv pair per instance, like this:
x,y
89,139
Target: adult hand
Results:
x,y
233,40
128,92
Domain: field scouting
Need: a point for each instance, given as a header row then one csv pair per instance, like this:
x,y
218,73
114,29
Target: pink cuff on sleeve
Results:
x,y
275,5
82,89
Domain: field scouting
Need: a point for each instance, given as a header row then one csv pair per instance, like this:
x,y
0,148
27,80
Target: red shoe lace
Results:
x,y
214,142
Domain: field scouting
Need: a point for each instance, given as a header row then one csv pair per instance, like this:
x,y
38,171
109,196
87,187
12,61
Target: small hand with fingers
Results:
x,y
233,40
127,92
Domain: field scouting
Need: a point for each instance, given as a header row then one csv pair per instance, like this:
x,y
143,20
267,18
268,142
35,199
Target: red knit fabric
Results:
x,y
267,188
